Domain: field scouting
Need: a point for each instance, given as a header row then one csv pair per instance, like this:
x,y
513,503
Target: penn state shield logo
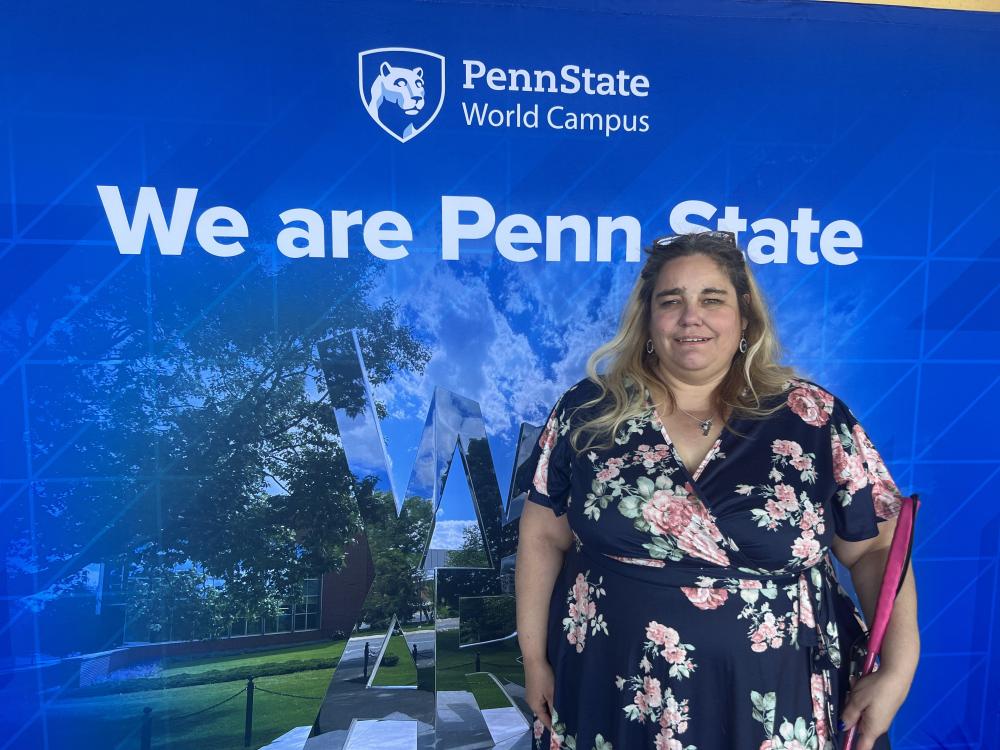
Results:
x,y
402,88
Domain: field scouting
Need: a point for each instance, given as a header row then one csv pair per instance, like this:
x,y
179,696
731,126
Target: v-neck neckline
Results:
x,y
696,475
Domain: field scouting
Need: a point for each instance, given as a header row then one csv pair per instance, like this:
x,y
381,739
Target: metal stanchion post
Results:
x,y
248,726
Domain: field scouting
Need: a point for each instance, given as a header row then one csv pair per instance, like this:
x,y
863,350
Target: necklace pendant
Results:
x,y
706,426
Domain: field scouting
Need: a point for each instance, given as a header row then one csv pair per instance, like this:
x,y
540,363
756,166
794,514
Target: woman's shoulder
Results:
x,y
581,392
813,402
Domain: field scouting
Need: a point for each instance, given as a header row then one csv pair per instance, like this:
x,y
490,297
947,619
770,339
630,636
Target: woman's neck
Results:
x,y
690,395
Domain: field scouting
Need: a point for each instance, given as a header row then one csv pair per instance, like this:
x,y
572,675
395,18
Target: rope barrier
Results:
x,y
216,705
288,695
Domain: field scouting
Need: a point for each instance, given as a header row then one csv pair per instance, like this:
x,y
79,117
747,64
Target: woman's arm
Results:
x,y
543,539
876,699
866,562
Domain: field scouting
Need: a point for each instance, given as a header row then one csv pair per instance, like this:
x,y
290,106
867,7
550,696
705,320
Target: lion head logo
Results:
x,y
395,89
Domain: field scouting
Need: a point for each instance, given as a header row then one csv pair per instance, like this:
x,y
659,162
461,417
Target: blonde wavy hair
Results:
x,y
753,376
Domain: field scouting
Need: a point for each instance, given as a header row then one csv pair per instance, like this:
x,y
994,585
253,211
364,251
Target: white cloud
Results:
x,y
448,534
512,338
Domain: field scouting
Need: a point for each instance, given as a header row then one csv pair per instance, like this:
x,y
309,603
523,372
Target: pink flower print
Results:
x,y
805,548
864,446
819,701
540,479
768,628
788,448
809,520
639,699
537,728
855,476
668,514
805,605
886,499
802,463
658,633
704,597
665,742
812,404
786,497
774,509
769,632
750,583
766,745
839,456
652,687
607,474
699,539
581,590
582,611
673,654
548,437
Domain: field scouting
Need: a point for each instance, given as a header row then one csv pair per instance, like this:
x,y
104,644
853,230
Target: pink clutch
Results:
x,y
892,581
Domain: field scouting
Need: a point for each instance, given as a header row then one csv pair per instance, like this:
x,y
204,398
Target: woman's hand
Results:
x,y
872,703
539,685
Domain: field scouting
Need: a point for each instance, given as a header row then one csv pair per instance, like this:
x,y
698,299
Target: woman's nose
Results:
x,y
690,314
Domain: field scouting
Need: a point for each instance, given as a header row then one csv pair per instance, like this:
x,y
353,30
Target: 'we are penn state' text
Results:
x,y
468,222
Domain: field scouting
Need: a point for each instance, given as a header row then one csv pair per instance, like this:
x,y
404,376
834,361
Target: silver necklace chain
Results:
x,y
705,424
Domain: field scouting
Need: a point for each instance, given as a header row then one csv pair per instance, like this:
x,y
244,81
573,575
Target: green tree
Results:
x,y
471,553
397,546
198,427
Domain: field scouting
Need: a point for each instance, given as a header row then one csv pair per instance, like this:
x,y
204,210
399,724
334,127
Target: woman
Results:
x,y
674,585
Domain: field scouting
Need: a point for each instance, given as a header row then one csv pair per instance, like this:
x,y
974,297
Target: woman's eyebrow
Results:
x,y
680,289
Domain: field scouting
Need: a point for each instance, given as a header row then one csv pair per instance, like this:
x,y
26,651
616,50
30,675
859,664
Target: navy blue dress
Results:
x,y
700,610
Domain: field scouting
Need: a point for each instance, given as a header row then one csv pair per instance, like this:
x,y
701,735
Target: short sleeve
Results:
x,y
865,494
551,456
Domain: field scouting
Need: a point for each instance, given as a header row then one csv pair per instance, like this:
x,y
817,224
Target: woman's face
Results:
x,y
694,299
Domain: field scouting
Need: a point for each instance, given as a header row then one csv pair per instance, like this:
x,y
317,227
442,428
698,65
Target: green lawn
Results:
x,y
403,672
112,721
330,649
455,664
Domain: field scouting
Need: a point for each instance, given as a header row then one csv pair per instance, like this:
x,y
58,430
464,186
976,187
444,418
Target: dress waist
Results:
x,y
680,574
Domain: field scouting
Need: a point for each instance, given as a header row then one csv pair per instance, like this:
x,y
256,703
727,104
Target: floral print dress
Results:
x,y
700,610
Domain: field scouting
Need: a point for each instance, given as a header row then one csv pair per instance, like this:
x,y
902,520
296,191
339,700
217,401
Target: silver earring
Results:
x,y
649,346
743,345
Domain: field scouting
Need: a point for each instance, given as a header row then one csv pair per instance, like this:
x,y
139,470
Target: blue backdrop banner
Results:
x,y
265,268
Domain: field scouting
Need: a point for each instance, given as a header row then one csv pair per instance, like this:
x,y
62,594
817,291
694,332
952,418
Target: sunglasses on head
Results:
x,y
728,237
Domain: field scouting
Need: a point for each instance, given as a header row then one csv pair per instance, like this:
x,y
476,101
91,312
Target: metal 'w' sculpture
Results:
x,y
457,683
